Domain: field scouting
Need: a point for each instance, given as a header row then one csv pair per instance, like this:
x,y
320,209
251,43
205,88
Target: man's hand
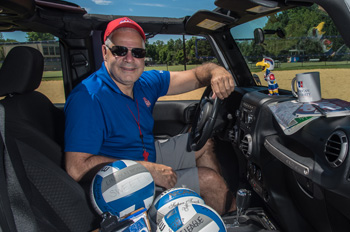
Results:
x,y
222,83
163,175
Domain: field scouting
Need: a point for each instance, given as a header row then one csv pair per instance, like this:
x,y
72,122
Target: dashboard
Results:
x,y
306,173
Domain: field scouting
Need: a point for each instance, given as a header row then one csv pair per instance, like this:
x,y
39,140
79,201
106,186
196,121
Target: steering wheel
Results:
x,y
204,120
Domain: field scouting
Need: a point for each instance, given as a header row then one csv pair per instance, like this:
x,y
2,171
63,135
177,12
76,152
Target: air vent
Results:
x,y
246,145
336,148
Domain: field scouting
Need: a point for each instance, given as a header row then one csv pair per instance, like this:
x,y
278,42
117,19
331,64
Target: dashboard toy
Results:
x,y
267,65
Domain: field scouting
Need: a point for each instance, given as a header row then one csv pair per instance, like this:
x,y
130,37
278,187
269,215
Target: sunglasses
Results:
x,y
122,51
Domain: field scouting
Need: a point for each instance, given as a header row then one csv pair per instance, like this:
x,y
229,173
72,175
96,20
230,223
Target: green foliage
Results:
x,y
37,36
2,40
172,53
298,24
250,50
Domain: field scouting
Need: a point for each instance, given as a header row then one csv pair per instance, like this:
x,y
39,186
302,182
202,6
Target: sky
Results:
x,y
158,8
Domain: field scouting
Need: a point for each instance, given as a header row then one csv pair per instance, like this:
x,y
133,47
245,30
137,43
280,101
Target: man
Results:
x,y
109,117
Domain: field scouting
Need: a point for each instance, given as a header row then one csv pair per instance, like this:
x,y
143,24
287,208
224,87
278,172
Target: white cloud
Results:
x,y
149,4
87,9
102,2
131,10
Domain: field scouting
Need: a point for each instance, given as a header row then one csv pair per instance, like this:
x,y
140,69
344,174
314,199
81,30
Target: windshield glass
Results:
x,y
312,43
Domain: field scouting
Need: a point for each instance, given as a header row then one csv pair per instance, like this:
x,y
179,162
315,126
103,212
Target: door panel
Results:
x,y
172,117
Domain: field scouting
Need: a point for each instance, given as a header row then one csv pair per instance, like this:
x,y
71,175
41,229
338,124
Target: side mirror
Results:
x,y
259,36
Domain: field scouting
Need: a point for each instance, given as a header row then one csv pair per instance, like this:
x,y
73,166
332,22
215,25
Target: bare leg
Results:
x,y
206,157
215,192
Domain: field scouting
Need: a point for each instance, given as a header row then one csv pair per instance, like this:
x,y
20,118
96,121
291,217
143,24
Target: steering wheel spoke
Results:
x,y
205,117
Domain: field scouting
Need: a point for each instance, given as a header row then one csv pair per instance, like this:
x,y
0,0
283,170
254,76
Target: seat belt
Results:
x,y
21,213
24,213
7,222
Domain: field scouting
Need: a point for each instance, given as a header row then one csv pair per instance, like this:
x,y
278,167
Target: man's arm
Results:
x,y
219,78
83,166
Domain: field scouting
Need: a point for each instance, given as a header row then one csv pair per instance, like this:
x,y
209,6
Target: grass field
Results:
x,y
335,79
57,75
305,65
52,75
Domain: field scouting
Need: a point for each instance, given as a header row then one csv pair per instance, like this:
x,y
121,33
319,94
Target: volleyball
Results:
x,y
192,217
122,187
171,198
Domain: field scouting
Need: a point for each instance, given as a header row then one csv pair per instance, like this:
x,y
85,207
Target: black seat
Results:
x,y
33,135
20,75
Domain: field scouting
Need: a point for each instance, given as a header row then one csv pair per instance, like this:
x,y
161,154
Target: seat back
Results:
x,y
20,75
33,136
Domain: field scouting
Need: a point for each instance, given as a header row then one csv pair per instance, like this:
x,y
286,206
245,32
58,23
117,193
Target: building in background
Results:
x,y
49,49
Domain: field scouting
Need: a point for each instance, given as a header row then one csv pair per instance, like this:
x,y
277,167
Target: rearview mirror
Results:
x,y
259,34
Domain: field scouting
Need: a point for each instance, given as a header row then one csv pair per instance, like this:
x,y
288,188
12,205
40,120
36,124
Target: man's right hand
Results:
x,y
163,175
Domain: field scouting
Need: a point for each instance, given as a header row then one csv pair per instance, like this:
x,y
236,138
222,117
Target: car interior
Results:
x,y
296,182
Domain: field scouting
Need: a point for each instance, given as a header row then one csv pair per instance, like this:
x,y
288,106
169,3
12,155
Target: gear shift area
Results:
x,y
242,201
247,219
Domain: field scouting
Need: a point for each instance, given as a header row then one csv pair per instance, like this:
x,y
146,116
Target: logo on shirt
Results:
x,y
148,103
300,84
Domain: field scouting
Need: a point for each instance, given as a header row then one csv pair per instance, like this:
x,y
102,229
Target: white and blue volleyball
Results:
x,y
192,217
171,198
122,187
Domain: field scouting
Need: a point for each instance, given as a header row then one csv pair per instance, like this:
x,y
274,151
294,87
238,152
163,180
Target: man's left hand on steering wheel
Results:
x,y
222,83
221,86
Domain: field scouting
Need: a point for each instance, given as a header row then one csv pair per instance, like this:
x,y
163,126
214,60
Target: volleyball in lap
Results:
x,y
122,187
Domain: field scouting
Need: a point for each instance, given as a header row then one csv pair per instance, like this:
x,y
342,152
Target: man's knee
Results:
x,y
210,180
206,157
206,150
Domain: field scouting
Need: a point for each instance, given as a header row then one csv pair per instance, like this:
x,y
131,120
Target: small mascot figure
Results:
x,y
267,65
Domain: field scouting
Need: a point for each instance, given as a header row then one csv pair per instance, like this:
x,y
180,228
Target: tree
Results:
x,y
162,55
297,24
252,51
191,51
2,40
171,45
151,51
179,57
37,36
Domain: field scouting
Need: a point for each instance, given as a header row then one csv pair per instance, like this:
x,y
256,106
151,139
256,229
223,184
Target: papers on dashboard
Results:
x,y
284,114
325,107
293,115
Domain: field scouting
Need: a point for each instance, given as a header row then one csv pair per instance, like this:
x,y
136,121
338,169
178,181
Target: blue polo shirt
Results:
x,y
99,119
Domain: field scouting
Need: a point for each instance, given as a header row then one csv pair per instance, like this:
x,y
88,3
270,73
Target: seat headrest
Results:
x,y
21,71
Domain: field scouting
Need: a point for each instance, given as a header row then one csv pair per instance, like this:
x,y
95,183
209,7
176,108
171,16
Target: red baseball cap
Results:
x,y
123,22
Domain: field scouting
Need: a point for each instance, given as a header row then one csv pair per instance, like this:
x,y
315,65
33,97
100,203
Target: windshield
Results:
x,y
311,44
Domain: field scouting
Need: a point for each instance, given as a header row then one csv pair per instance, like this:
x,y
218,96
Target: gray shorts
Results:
x,y
173,153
